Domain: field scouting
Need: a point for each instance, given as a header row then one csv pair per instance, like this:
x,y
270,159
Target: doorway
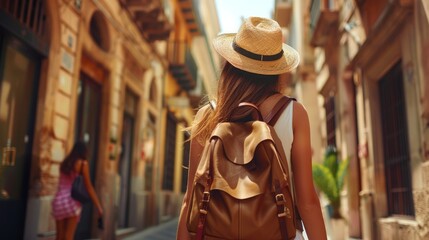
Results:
x,y
395,143
87,130
19,76
126,159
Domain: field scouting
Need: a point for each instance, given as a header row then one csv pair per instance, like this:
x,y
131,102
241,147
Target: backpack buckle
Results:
x,y
280,199
206,197
285,213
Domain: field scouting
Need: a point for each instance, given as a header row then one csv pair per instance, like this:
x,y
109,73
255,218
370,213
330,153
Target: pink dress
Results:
x,y
63,205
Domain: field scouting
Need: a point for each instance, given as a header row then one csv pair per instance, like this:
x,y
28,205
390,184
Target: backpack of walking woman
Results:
x,y
241,189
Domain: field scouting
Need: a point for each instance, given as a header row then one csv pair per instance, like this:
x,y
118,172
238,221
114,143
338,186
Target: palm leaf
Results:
x,y
329,178
342,171
331,163
325,181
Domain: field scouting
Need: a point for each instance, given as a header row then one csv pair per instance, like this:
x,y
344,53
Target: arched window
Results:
x,y
98,31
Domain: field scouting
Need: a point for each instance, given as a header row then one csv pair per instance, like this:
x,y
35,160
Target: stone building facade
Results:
x,y
125,77
93,71
372,57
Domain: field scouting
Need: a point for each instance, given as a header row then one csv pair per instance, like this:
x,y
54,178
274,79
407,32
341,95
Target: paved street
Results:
x,y
167,231
161,232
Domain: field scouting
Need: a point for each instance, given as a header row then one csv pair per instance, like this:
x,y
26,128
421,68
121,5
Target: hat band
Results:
x,y
264,58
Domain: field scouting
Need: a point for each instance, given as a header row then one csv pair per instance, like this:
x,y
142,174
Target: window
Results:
x,y
395,143
170,152
330,121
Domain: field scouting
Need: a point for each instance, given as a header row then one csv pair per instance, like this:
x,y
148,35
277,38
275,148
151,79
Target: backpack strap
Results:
x,y
273,107
204,205
282,211
298,219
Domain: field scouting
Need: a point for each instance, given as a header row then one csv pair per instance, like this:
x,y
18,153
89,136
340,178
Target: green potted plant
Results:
x,y
329,179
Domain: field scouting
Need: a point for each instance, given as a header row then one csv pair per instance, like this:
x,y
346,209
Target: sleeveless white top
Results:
x,y
284,130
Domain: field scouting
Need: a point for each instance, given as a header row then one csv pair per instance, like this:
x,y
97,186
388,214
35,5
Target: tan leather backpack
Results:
x,y
242,188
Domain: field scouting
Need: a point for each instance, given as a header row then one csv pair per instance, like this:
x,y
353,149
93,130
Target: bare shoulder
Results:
x,y
300,118
299,112
79,164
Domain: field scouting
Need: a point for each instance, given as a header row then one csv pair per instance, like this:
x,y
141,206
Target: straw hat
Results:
x,y
257,47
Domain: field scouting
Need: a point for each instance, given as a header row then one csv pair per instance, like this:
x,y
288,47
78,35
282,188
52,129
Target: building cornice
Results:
x,y
387,28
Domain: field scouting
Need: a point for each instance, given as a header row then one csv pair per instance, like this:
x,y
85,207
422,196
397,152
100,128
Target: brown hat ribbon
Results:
x,y
264,58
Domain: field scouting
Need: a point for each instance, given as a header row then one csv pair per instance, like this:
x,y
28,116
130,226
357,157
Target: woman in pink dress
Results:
x,y
66,210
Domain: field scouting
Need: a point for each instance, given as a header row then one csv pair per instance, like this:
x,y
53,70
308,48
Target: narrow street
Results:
x,y
163,231
108,90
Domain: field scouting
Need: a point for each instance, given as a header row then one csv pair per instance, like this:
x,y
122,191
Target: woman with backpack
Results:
x,y
255,57
67,210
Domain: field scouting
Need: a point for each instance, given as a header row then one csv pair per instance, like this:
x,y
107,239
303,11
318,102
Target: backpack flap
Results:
x,y
236,169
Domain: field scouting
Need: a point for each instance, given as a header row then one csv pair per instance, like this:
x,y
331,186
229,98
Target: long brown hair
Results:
x,y
235,86
79,151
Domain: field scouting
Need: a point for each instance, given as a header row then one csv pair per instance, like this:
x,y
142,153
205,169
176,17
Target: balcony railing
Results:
x,y
182,64
150,18
189,8
27,20
323,22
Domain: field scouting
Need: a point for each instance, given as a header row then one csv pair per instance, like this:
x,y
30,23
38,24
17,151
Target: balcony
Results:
x,y
283,12
188,7
323,23
149,17
182,64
